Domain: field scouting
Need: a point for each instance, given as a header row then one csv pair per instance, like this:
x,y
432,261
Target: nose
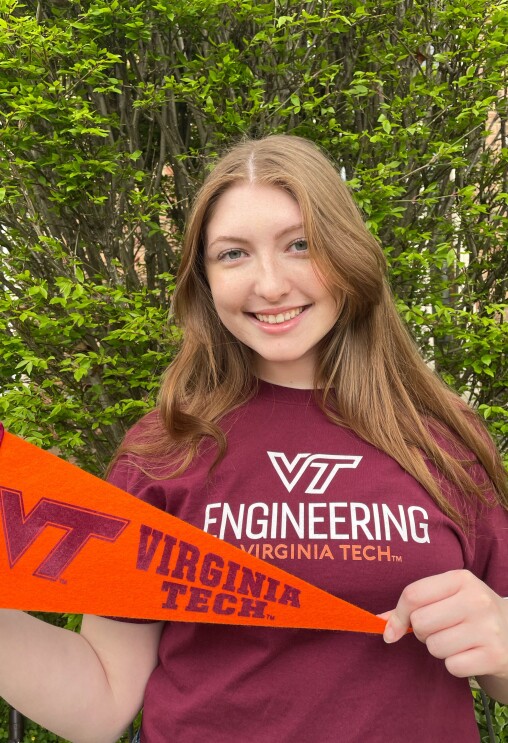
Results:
x,y
272,281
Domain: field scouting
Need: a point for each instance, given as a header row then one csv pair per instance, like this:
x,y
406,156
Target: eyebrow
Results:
x,y
244,241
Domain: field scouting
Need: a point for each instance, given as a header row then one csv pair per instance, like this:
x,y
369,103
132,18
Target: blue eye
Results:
x,y
300,246
231,255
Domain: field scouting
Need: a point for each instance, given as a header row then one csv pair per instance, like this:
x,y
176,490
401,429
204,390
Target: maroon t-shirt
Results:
x,y
319,502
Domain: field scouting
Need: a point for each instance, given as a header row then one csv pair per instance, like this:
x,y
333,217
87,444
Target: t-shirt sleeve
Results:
x,y
486,524
127,475
490,557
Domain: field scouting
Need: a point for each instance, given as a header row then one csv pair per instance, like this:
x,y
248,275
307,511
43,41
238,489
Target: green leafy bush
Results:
x,y
112,111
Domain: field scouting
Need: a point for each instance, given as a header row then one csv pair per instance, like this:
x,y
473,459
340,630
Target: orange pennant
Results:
x,y
71,542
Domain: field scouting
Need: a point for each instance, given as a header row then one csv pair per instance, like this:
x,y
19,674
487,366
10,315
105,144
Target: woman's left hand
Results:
x,y
459,618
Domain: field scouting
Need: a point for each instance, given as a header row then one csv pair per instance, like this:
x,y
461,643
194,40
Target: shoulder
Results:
x,y
130,469
144,429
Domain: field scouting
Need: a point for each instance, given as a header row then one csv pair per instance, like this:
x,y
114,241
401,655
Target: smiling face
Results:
x,y
266,290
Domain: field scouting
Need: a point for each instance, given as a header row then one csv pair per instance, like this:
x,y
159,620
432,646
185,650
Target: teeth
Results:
x,y
281,317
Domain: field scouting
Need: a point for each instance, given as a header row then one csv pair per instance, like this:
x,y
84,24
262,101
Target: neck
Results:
x,y
286,375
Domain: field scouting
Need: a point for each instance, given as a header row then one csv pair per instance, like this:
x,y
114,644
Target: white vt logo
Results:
x,y
327,466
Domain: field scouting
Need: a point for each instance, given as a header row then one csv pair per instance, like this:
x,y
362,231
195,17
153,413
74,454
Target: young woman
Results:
x,y
299,422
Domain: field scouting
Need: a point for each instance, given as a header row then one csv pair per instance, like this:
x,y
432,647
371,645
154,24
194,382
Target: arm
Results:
x,y
462,621
86,688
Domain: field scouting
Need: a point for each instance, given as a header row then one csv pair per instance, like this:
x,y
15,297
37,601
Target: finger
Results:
x,y
474,662
452,641
418,594
439,616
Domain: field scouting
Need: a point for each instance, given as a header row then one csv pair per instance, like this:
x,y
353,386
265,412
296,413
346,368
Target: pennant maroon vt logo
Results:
x,y
79,525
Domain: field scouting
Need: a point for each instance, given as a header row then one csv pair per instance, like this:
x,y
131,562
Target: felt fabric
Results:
x,y
70,542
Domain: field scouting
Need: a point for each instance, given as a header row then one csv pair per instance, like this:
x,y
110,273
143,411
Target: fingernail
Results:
x,y
389,633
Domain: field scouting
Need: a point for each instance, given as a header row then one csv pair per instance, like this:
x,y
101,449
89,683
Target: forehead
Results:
x,y
244,206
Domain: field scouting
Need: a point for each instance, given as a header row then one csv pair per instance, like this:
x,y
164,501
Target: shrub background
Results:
x,y
111,112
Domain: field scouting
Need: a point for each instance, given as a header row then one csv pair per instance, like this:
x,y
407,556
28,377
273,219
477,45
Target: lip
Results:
x,y
276,328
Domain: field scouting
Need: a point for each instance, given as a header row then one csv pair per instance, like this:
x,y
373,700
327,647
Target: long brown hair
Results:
x,y
370,374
